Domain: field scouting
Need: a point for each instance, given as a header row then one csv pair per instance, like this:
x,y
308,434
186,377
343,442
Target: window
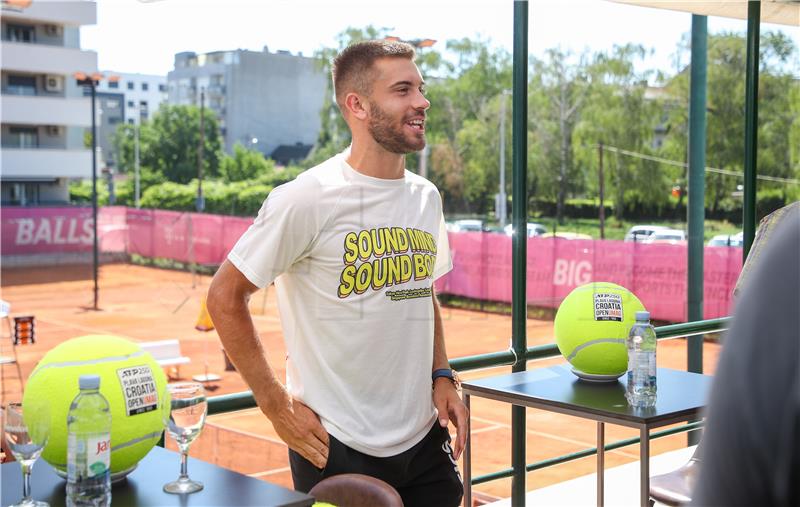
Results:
x,y
130,85
162,87
114,120
130,121
23,137
21,33
113,84
130,103
144,87
112,103
21,85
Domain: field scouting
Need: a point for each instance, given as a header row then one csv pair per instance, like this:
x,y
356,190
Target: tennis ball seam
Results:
x,y
593,342
66,364
129,443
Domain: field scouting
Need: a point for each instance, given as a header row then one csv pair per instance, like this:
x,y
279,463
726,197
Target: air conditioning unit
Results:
x,y
52,30
53,83
53,130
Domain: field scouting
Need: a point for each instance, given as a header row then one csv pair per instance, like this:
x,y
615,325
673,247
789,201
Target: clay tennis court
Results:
x,y
147,304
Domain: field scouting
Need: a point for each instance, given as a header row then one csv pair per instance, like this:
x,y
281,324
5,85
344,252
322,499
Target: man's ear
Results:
x,y
356,106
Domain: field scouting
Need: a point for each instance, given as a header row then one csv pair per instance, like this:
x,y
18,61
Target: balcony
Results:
x,y
42,110
58,13
38,58
19,163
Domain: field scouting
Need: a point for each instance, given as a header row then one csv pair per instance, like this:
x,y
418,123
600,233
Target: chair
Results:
x,y
356,490
5,308
675,488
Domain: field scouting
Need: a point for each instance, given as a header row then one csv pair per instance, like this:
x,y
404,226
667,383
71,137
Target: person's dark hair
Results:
x,y
353,66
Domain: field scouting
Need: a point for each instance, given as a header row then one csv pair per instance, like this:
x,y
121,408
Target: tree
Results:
x,y
169,143
564,86
245,164
725,112
619,115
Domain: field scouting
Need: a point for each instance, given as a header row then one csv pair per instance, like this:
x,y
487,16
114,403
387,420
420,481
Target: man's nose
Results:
x,y
422,103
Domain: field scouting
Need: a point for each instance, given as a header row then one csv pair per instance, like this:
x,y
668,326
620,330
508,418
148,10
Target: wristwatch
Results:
x,y
448,374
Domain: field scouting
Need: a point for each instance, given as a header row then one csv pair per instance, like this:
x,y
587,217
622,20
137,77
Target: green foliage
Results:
x,y
80,192
245,164
169,143
725,113
170,196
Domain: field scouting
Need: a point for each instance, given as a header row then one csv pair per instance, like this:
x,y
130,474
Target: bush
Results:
x,y
170,196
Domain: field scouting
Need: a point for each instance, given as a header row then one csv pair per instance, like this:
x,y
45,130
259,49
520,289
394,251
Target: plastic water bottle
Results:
x,y
641,343
89,447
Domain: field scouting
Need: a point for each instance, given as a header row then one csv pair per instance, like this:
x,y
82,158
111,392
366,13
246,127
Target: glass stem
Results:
x,y
26,482
184,460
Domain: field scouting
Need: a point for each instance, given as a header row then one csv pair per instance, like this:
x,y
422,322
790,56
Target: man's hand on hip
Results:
x,y
300,428
451,408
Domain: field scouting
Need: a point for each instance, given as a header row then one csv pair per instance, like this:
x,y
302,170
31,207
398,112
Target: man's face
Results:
x,y
397,106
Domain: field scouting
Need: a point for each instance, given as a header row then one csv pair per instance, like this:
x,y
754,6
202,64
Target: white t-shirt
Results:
x,y
355,259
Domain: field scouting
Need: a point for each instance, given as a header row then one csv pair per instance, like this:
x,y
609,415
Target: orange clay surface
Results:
x,y
146,304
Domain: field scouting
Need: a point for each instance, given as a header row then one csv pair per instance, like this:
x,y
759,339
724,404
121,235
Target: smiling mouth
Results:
x,y
417,125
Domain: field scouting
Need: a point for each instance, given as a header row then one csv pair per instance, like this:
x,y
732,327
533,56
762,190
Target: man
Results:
x,y
354,246
752,441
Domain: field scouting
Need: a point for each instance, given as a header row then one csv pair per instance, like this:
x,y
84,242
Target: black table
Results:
x,y
143,486
681,396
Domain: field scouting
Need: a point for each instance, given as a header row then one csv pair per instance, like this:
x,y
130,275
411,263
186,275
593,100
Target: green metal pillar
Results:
x,y
697,185
519,218
751,125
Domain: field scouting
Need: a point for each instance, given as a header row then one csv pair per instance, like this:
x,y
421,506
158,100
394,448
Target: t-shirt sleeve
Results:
x,y
444,262
281,234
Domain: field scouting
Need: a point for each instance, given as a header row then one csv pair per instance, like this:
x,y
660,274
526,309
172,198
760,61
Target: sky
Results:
x,y
142,36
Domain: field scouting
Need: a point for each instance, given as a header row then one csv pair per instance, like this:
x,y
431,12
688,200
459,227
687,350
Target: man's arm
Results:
x,y
445,397
295,423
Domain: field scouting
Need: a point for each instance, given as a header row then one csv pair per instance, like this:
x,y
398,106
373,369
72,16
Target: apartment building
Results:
x,y
262,100
131,98
44,112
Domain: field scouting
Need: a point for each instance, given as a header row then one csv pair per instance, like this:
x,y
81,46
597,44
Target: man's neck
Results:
x,y
370,159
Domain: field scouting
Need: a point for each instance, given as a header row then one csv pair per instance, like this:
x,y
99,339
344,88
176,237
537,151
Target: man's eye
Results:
x,y
402,91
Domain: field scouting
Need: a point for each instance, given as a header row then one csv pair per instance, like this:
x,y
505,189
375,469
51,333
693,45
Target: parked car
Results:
x,y
465,225
669,236
727,240
641,232
566,235
534,230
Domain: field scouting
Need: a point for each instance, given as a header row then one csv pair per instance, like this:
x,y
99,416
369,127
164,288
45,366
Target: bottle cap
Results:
x,y
642,316
89,382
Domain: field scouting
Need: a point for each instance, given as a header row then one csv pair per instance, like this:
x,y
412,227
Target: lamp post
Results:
x,y
92,80
501,196
136,169
200,200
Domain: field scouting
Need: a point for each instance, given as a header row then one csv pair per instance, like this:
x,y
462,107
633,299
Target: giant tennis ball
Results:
x,y
592,324
131,381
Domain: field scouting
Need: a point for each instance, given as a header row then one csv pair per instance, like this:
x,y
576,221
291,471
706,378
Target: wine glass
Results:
x,y
26,440
187,415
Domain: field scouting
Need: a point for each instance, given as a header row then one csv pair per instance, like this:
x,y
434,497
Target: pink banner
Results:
x,y
655,273
482,261
46,230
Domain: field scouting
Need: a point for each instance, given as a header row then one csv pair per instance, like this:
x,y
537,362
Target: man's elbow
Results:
x,y
225,295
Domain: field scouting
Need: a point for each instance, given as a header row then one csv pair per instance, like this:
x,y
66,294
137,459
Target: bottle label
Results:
x,y
87,458
607,306
138,389
98,455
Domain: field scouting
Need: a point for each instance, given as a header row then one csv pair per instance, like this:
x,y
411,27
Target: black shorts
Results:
x,y
425,475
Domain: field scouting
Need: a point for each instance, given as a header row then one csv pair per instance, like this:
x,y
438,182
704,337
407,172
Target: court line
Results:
x,y
500,425
270,472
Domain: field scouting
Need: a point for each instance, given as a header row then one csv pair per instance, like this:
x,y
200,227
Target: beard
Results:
x,y
391,136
